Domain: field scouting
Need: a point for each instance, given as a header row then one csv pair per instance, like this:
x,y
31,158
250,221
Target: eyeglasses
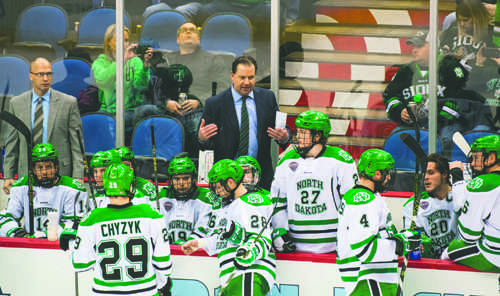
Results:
x,y
42,74
184,30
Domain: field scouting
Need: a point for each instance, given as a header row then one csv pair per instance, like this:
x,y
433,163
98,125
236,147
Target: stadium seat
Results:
x,y
14,75
404,158
39,29
160,29
169,137
71,76
99,132
470,137
93,27
226,32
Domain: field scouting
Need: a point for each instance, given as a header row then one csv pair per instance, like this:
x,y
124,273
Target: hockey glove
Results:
x,y
167,289
233,233
282,241
406,241
66,236
17,232
449,112
246,255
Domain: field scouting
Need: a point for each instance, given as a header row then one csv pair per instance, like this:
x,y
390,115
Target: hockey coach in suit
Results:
x,y
61,123
222,120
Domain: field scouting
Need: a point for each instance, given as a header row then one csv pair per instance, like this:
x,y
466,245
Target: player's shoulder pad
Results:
x,y
256,199
292,154
338,153
21,182
358,196
484,183
71,183
146,187
147,210
204,195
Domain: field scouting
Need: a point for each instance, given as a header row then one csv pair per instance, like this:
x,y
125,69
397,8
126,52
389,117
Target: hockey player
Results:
x,y
282,241
439,208
251,173
309,183
98,164
368,247
183,203
479,223
51,193
237,225
144,189
125,244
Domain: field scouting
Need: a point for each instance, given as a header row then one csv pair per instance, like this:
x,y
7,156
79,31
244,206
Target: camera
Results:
x,y
141,49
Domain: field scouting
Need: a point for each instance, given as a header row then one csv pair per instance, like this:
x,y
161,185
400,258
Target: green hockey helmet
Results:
x,y
373,160
44,152
118,180
248,161
486,144
314,120
104,159
183,165
124,153
220,173
225,169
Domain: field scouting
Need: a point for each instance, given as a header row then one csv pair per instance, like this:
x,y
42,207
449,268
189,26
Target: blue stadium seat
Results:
x,y
71,76
160,29
42,26
404,158
14,75
99,132
169,137
94,24
470,137
226,32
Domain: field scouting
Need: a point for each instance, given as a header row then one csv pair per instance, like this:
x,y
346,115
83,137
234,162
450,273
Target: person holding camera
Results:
x,y
136,76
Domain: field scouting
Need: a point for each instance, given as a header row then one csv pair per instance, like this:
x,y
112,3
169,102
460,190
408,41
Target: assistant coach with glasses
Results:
x,y
53,117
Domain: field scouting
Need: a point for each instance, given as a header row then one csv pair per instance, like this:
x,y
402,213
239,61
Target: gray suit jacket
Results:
x,y
64,122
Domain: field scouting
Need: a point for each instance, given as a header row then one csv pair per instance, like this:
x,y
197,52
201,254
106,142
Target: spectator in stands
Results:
x,y
478,224
136,77
410,82
440,206
451,18
207,68
467,37
459,109
60,129
241,120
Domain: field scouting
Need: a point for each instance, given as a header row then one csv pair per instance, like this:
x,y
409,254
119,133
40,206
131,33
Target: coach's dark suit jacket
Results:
x,y
220,110
64,121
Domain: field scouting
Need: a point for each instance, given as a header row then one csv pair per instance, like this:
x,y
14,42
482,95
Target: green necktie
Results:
x,y
38,123
244,129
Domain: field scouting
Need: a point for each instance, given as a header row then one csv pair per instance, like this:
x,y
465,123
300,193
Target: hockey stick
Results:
x,y
87,168
461,143
422,160
17,124
155,168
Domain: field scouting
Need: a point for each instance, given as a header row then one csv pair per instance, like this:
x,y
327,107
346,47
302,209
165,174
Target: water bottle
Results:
x,y
52,226
416,255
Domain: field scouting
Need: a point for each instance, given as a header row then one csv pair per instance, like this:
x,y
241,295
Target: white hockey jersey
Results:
x,y
68,198
251,211
308,193
479,222
184,216
364,252
438,218
127,247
